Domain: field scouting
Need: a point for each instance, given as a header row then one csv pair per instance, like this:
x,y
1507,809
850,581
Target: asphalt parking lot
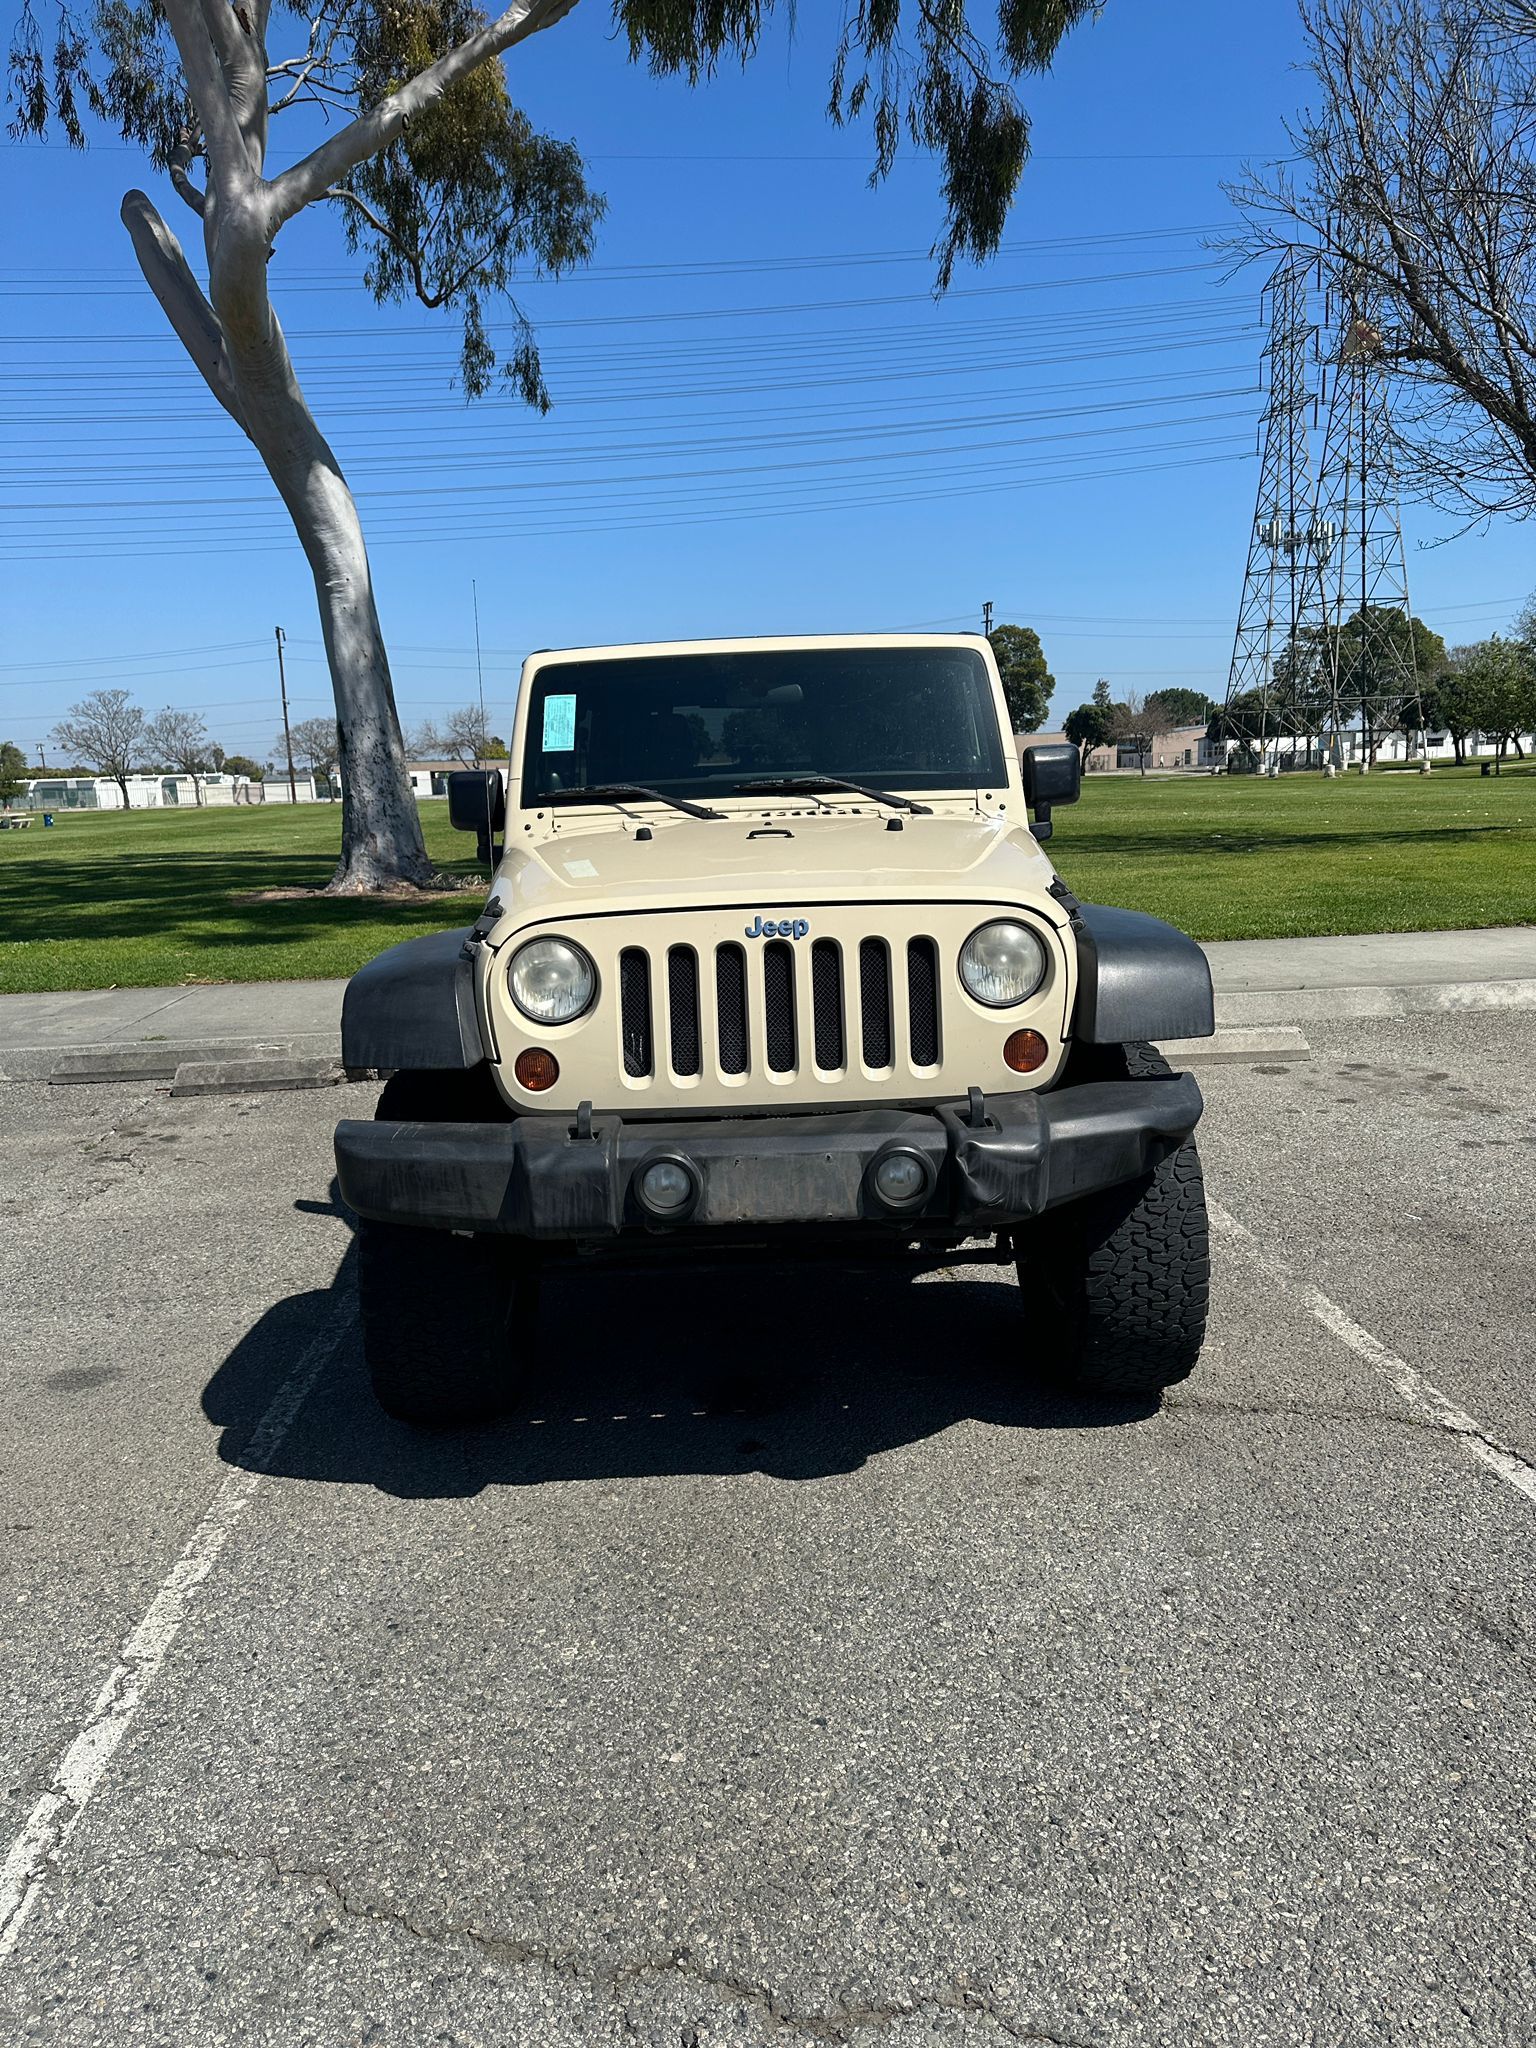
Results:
x,y
791,1665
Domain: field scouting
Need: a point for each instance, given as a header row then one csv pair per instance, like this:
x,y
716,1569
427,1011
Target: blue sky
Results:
x,y
764,421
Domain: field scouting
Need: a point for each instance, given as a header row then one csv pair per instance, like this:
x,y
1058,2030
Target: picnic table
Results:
x,y
14,820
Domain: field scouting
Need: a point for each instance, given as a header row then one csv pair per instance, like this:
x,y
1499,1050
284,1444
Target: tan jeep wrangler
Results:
x,y
774,951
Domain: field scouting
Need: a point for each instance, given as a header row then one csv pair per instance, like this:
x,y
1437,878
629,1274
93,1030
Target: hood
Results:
x,y
774,863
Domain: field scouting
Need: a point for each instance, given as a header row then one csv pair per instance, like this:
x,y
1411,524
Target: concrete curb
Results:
x,y
254,1076
1240,1007
152,1061
1232,1044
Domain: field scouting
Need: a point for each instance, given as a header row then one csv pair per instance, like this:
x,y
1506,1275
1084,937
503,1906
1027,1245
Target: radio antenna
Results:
x,y
474,598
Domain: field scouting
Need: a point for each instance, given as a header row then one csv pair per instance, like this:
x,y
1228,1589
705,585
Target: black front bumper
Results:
x,y
987,1165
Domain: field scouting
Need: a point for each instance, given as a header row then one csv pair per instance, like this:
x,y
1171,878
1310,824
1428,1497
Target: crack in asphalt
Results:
x,y
1315,1412
833,2027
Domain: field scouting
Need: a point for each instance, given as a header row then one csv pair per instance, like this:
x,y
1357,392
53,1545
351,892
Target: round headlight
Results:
x,y
551,980
1002,964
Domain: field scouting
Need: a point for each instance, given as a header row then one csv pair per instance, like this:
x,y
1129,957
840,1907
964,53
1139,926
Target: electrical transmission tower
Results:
x,y
1371,662
1278,643
1324,641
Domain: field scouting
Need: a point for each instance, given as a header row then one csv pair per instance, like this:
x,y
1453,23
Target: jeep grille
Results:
x,y
850,998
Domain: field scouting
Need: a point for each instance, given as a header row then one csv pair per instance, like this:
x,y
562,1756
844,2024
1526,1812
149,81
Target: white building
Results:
x,y
430,778
157,792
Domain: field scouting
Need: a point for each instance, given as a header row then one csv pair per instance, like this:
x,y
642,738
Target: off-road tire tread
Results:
x,y
1125,1274
435,1314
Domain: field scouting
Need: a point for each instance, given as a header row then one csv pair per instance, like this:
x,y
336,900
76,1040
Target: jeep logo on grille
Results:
x,y
783,928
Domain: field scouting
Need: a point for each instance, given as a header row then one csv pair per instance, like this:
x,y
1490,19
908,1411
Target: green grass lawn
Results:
x,y
149,897
139,898
1239,857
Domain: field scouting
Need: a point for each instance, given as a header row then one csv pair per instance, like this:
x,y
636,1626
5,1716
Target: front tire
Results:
x,y
1117,1285
437,1307
437,1322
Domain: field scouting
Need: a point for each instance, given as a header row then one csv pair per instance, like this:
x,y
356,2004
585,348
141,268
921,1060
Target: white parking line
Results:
x,y
83,1765
1418,1392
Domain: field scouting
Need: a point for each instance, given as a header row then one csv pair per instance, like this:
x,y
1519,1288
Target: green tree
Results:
x,y
1381,654
1185,707
242,764
1453,705
13,769
446,190
1027,682
1498,681
1089,726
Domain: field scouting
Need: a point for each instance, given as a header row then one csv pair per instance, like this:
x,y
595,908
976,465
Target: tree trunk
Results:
x,y
233,337
122,783
381,839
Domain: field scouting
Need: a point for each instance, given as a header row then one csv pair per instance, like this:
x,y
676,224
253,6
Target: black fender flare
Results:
x,y
1138,978
414,1006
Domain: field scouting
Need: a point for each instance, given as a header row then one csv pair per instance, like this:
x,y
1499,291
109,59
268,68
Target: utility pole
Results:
x,y
282,683
986,618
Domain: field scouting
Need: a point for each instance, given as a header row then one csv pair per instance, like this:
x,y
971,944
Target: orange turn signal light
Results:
x,y
536,1070
1024,1051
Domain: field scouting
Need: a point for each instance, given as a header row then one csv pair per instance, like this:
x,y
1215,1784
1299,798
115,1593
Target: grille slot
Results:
x,y
779,1005
827,1003
683,1003
635,1011
727,1014
923,1001
875,1002
731,1008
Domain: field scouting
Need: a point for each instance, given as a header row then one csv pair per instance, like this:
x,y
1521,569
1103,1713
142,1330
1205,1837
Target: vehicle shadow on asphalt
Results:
x,y
797,1372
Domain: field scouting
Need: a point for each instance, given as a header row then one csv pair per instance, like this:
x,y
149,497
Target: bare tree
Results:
x,y
106,731
464,735
447,188
1133,724
317,741
179,740
1416,185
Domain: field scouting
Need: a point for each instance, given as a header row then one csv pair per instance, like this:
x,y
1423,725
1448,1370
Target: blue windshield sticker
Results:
x,y
559,724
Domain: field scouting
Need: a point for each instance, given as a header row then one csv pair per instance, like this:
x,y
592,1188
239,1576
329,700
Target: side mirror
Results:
x,y
477,802
1052,775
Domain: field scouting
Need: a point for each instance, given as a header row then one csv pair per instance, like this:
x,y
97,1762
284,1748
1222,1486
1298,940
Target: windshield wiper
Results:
x,y
617,792
789,785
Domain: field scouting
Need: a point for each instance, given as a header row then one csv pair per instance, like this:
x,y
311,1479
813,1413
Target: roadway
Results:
x,y
792,1665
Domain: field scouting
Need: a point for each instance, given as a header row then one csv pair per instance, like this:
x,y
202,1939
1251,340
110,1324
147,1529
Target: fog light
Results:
x,y
1024,1051
666,1187
901,1178
536,1070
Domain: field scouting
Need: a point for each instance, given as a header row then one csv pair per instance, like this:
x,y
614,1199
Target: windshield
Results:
x,y
703,724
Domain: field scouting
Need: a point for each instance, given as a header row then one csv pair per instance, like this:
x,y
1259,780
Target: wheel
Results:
x,y
1117,1285
437,1306
437,1321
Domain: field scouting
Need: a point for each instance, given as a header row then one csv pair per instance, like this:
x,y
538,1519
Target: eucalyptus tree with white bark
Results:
x,y
447,190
